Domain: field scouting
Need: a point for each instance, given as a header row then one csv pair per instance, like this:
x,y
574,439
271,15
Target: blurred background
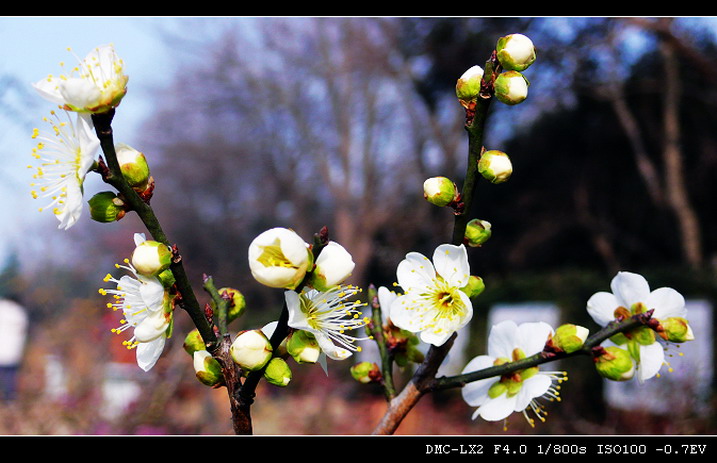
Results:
x,y
251,123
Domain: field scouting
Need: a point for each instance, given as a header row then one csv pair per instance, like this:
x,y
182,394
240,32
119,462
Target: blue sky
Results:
x,y
33,47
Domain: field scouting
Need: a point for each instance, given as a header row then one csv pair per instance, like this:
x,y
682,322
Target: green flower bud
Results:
x,y
515,52
676,329
207,369
440,191
614,363
277,372
474,287
511,87
303,347
237,305
134,166
495,166
569,338
150,258
469,84
193,342
251,350
477,232
366,372
106,207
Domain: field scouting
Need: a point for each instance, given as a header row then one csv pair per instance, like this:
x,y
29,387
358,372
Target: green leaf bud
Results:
x,y
251,350
474,287
151,258
134,167
495,166
511,87
193,342
303,347
477,232
515,52
614,363
207,368
440,191
569,338
676,329
106,207
469,84
277,372
366,372
237,305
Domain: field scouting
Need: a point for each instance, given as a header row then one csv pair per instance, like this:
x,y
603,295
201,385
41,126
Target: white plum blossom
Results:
x,y
329,316
631,295
147,309
279,258
97,84
433,303
498,397
64,158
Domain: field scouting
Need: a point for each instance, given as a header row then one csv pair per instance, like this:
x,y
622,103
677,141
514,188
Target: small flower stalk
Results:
x,y
96,85
495,166
279,258
251,350
515,52
440,191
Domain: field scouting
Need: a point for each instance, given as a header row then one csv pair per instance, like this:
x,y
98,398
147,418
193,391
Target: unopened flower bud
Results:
x,y
150,258
439,191
106,207
474,287
193,342
569,338
333,266
277,372
495,166
469,84
237,304
279,258
511,87
303,347
251,350
614,363
477,232
676,329
134,166
366,372
515,52
207,369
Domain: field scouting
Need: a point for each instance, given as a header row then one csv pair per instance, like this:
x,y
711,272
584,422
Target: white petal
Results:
x,y
435,336
451,263
601,307
498,408
72,211
651,359
139,238
667,303
531,337
297,317
152,293
533,387
501,340
269,329
329,348
152,327
149,352
49,89
415,272
630,288
476,392
334,263
80,93
385,299
404,313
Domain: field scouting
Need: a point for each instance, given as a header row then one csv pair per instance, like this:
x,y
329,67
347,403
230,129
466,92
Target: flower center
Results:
x,y
272,256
